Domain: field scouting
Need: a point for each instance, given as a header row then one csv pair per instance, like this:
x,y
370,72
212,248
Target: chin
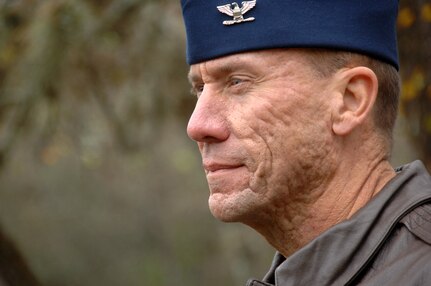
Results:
x,y
232,207
223,215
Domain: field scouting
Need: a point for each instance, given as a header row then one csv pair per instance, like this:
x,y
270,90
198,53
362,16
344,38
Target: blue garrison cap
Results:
x,y
217,28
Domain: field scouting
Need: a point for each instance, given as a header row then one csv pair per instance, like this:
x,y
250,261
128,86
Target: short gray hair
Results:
x,y
327,62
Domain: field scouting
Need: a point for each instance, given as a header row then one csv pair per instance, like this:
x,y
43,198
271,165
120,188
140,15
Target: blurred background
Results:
x,y
99,184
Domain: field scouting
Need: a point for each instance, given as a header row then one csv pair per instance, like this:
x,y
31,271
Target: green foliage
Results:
x,y
120,55
100,184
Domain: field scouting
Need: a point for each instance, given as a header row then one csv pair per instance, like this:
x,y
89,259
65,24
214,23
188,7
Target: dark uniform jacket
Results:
x,y
387,242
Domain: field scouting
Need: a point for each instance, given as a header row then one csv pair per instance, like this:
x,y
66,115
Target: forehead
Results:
x,y
255,61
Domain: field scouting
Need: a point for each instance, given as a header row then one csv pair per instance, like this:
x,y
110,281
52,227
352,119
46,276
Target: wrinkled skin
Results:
x,y
263,129
286,151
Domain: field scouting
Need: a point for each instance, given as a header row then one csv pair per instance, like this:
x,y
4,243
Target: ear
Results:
x,y
358,89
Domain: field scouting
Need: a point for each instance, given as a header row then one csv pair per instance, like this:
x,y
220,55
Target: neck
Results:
x,y
353,183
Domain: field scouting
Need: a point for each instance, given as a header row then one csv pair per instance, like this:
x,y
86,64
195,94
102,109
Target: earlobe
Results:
x,y
357,91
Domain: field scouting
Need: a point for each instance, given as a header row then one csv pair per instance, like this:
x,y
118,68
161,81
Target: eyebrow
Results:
x,y
193,77
223,69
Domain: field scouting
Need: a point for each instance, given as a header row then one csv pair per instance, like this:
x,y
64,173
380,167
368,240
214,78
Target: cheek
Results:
x,y
262,131
283,141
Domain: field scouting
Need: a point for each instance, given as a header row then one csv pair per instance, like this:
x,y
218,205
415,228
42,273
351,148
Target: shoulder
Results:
x,y
405,257
418,222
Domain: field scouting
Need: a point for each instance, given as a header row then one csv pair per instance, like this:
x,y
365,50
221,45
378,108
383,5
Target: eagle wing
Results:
x,y
226,9
247,5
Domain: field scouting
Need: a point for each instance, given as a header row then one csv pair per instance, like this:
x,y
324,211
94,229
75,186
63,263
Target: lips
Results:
x,y
212,167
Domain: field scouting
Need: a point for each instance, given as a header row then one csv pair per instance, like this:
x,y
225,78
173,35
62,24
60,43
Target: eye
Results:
x,y
238,84
236,81
197,89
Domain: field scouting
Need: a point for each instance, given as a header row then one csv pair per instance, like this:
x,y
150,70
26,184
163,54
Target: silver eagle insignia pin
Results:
x,y
236,12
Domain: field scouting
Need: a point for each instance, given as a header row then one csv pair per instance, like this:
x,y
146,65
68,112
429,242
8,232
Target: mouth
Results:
x,y
215,168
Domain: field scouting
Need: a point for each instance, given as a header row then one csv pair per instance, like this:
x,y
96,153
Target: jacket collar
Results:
x,y
339,254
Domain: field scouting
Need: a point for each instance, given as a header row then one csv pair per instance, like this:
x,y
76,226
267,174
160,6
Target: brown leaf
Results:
x,y
426,12
406,18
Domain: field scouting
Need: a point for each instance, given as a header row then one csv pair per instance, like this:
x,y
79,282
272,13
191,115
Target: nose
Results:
x,y
208,123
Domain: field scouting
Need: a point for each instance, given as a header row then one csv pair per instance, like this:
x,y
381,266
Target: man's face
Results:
x,y
262,124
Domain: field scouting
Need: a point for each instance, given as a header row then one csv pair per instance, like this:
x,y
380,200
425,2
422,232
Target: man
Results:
x,y
296,102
